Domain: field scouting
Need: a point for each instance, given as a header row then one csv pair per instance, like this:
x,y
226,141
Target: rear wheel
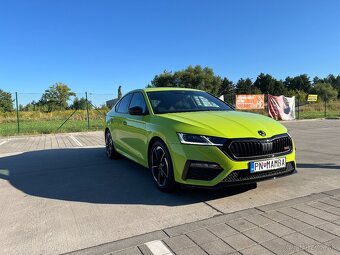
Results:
x,y
161,167
109,146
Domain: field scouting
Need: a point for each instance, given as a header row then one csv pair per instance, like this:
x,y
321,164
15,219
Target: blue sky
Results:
x,y
95,46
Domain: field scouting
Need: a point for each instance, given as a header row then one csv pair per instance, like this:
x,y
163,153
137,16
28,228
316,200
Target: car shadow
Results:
x,y
318,165
86,175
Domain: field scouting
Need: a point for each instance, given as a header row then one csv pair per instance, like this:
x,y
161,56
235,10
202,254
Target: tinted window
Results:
x,y
185,101
124,104
138,100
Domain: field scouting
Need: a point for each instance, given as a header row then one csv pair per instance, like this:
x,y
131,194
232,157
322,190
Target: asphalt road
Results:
x,y
60,193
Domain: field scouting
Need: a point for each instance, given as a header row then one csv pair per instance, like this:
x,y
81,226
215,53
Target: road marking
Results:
x,y
157,247
75,140
3,142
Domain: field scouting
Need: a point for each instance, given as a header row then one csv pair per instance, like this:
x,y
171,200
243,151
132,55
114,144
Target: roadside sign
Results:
x,y
312,98
248,102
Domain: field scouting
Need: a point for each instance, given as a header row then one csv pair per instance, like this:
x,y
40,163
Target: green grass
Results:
x,y
49,126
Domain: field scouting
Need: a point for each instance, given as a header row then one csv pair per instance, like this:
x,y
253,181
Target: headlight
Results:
x,y
201,139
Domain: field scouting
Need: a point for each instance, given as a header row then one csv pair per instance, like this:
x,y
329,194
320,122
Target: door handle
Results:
x,y
124,122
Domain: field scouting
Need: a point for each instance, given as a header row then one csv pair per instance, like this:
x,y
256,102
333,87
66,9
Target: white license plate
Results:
x,y
267,164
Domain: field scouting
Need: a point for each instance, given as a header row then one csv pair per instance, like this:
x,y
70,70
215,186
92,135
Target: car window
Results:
x,y
124,104
138,100
185,101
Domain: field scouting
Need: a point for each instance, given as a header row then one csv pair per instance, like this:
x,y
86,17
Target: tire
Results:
x,y
161,167
111,152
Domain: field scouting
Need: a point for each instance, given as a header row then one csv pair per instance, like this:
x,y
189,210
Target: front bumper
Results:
x,y
230,172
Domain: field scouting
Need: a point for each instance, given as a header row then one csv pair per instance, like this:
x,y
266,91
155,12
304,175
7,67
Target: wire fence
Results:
x,y
87,111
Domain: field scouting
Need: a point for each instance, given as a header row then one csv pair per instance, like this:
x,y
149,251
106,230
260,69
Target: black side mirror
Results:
x,y
136,110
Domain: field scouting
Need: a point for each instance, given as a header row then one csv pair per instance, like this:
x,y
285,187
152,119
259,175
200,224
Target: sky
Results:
x,y
95,46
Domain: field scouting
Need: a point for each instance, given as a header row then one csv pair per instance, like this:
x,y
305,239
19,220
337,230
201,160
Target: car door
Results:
x,y
135,133
117,124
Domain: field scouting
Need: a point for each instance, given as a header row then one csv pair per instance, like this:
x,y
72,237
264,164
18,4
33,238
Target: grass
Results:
x,y
46,123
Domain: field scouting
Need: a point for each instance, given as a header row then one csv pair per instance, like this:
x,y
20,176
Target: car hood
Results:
x,y
229,124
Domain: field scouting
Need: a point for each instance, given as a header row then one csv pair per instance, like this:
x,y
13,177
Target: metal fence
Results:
x,y
29,117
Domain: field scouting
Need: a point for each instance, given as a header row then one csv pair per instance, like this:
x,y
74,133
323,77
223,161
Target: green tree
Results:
x,y
245,86
300,82
325,91
80,104
191,77
331,79
120,94
56,97
6,102
226,87
267,84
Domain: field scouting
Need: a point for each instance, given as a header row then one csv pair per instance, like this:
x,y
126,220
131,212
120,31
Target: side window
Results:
x,y
124,104
138,100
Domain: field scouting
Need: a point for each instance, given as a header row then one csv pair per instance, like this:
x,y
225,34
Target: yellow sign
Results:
x,y
312,98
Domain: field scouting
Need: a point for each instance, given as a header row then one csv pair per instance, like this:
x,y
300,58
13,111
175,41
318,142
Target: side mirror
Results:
x,y
136,110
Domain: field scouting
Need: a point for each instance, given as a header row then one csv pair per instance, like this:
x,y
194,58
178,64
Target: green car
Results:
x,y
190,137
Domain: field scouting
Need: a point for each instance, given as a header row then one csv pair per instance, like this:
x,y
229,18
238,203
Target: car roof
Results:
x,y
164,89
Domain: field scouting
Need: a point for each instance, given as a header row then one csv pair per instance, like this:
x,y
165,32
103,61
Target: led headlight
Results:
x,y
201,139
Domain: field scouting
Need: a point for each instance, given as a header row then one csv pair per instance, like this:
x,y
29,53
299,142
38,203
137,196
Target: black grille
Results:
x,y
243,149
242,176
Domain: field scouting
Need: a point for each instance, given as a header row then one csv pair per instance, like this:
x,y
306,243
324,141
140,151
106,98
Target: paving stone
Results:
x,y
222,230
318,234
280,247
331,201
259,220
333,192
177,243
322,250
319,205
278,229
335,244
192,250
300,240
217,248
301,253
257,250
295,224
145,250
293,201
316,212
312,220
239,241
128,251
241,225
336,197
334,210
202,236
291,212
259,235
276,216
331,228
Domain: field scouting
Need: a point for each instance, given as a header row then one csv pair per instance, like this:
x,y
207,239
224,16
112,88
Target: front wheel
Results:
x,y
161,167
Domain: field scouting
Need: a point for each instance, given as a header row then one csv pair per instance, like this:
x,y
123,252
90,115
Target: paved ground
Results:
x,y
59,194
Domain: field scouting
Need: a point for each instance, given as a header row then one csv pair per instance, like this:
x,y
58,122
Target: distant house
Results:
x,y
112,102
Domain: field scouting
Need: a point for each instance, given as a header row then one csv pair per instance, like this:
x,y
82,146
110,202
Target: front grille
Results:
x,y
243,149
241,176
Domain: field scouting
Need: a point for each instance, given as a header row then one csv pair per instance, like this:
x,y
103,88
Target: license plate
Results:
x,y
267,165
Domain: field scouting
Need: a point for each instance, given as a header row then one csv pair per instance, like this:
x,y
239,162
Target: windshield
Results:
x,y
185,101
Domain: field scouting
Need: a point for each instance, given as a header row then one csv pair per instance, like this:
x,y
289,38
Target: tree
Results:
x,y
325,91
80,104
6,102
191,77
267,84
56,97
120,92
331,79
226,87
245,86
300,82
